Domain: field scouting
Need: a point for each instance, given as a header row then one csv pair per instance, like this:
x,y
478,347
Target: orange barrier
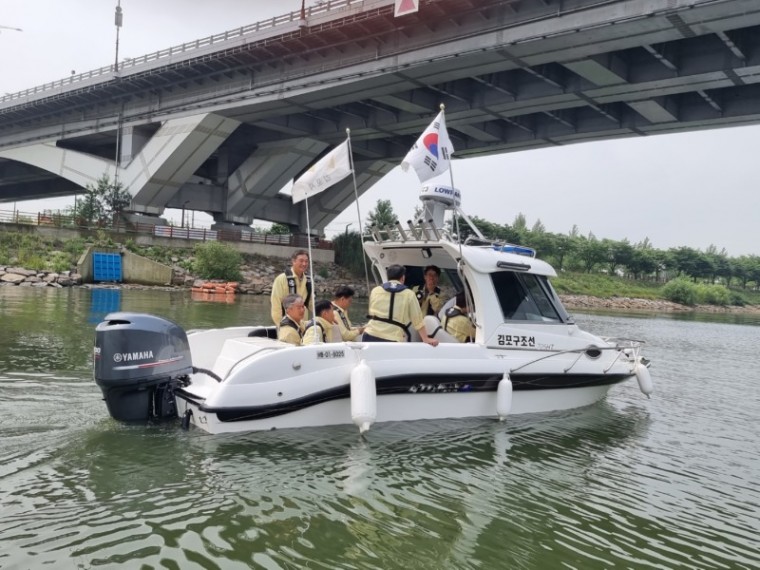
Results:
x,y
198,294
217,288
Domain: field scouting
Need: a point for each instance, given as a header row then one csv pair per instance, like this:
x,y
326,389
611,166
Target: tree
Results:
x,y
591,252
102,202
620,253
279,229
643,260
686,261
349,252
520,224
215,260
382,215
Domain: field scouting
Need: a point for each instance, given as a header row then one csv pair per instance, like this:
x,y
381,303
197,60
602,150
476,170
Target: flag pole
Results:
x,y
311,270
457,210
358,210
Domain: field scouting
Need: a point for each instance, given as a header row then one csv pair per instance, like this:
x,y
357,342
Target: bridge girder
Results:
x,y
513,75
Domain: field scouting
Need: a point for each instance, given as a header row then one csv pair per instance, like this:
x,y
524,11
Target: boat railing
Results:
x,y
420,231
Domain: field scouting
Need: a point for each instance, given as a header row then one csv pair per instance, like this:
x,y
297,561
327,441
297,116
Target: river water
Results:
x,y
671,482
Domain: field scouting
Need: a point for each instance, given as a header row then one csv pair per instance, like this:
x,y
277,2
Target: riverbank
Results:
x,y
648,305
257,280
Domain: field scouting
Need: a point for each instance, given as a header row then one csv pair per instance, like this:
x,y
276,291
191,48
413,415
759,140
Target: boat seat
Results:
x,y
435,330
264,332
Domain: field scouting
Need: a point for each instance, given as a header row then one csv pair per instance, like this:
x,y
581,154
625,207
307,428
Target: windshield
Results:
x,y
525,297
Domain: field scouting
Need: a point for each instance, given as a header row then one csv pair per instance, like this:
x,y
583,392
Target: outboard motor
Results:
x,y
138,361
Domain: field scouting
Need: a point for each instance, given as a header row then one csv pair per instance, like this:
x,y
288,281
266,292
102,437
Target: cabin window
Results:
x,y
523,297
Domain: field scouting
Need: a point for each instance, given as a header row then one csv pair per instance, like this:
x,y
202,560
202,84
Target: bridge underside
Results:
x,y
224,133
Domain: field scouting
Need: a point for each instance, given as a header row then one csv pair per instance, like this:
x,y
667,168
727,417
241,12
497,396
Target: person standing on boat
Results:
x,y
289,328
341,302
393,308
429,294
457,322
294,281
324,323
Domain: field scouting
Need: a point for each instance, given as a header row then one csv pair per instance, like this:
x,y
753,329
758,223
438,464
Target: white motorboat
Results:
x,y
528,355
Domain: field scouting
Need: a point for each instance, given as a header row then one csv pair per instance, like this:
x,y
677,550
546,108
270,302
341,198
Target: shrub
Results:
x,y
214,260
680,290
59,261
75,247
713,295
32,261
349,252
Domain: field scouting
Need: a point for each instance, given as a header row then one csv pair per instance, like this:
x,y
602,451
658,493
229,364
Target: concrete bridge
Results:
x,y
222,124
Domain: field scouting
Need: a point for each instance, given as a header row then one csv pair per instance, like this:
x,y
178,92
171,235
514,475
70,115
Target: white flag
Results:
x,y
329,170
431,154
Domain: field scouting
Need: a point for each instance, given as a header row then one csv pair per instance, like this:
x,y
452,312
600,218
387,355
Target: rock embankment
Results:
x,y
646,305
31,278
257,278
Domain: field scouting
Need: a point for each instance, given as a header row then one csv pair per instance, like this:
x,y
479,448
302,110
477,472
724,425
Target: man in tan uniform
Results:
x,y
294,281
323,323
289,328
457,321
341,302
429,294
393,308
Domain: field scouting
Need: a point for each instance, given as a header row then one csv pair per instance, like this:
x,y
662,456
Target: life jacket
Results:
x,y
339,311
393,288
293,284
421,293
310,324
451,313
288,322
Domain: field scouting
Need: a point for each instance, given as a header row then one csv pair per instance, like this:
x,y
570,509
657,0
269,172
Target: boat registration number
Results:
x,y
515,340
331,354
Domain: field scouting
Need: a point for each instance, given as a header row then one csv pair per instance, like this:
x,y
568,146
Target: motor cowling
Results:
x,y
138,361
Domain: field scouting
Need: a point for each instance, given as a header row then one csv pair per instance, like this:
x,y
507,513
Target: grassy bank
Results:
x,y
605,287
35,252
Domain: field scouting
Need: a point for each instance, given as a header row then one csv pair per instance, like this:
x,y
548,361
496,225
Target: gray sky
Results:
x,y
693,189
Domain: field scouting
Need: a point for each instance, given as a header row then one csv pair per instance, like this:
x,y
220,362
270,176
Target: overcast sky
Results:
x,y
696,189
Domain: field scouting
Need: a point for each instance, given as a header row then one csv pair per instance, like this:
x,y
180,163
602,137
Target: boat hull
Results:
x,y
408,406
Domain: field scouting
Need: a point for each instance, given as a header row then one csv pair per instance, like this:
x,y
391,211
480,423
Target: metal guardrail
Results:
x,y
69,221
250,29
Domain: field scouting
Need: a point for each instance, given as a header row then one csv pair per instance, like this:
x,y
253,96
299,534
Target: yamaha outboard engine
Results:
x,y
139,360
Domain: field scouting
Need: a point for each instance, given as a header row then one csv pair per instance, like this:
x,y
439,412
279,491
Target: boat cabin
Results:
x,y
506,285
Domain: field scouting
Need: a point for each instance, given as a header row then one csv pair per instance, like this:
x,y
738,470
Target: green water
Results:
x,y
669,482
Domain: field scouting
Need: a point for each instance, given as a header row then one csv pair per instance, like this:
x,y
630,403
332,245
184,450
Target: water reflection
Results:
x,y
102,302
667,482
435,491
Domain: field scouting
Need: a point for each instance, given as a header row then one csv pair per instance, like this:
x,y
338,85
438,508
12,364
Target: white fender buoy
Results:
x,y
644,378
504,397
363,396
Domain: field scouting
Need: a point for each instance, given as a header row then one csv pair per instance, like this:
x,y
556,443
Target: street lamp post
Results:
x,y
183,213
347,225
118,19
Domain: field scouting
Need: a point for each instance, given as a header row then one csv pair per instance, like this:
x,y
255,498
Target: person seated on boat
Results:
x,y
429,294
324,323
341,302
290,329
294,281
457,322
393,308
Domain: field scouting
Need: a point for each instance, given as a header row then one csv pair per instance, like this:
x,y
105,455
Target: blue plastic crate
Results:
x,y
106,267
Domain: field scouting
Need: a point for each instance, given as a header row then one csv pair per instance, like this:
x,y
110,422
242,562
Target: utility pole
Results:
x,y
118,18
